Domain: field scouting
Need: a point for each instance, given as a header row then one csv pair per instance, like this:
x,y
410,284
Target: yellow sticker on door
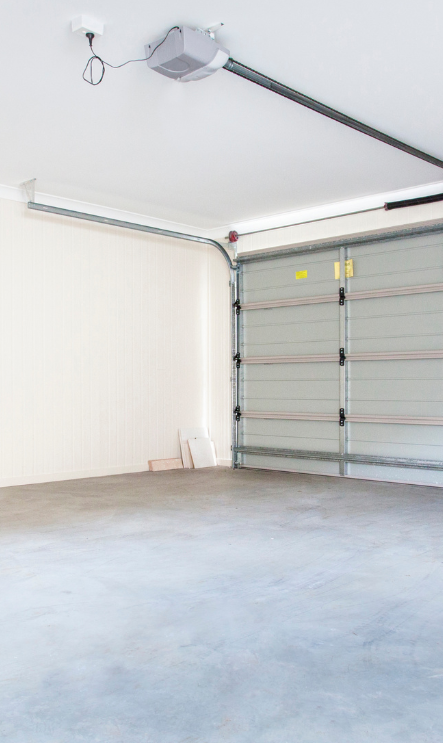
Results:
x,y
349,269
301,274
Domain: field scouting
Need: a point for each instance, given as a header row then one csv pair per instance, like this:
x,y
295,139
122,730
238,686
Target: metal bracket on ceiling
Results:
x,y
29,187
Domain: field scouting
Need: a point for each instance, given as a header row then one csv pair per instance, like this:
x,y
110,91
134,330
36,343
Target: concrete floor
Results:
x,y
211,606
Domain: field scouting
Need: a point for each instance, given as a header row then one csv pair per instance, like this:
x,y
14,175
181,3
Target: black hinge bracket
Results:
x,y
342,357
237,359
342,416
237,413
237,306
341,295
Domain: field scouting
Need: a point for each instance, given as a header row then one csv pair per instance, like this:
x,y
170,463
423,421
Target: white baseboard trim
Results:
x,y
6,482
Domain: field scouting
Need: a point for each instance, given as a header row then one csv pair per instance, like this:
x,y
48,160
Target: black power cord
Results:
x,y
90,62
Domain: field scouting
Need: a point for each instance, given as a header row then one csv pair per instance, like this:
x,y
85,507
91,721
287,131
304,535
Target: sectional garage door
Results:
x,y
343,374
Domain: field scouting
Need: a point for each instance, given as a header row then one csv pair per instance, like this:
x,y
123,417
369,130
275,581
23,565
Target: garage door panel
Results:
x,y
404,304
388,395
275,264
412,451
395,280
288,434
277,279
291,465
404,324
291,323
326,371
296,348
398,244
400,328
396,264
396,440
290,333
412,342
305,402
401,390
291,388
304,314
384,324
396,474
300,391
417,370
395,408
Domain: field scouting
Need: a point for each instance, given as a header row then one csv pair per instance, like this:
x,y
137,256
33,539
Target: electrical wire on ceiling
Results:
x,y
103,64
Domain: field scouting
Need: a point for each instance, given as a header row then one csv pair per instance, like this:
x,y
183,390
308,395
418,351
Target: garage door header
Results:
x,y
267,255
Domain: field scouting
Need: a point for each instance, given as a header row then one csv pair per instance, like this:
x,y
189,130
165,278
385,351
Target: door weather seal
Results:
x,y
413,202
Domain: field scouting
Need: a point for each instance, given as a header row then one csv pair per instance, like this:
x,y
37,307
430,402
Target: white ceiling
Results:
x,y
221,150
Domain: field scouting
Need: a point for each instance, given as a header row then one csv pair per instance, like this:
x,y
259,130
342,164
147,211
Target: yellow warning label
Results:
x,y
301,274
349,269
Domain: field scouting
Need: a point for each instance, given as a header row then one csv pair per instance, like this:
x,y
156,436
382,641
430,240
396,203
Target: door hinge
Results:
x,y
237,359
237,413
342,295
237,306
342,357
342,416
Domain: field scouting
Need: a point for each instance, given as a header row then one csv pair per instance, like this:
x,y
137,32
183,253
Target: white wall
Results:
x,y
110,341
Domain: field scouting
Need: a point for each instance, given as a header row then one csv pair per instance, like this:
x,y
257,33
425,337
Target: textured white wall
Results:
x,y
110,341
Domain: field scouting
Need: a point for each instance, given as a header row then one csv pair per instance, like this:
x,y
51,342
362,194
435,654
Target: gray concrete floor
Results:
x,y
211,606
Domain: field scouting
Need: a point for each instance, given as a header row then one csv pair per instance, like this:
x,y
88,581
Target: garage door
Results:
x,y
341,350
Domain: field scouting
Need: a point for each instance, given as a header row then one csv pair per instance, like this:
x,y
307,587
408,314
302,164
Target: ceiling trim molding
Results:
x,y
327,211
259,224
13,193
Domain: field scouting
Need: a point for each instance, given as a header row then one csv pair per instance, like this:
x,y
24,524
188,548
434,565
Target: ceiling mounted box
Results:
x,y
83,24
186,55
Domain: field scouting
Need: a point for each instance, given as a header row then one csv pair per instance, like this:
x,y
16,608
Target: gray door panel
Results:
x,y
410,323
291,331
412,388
396,474
395,440
388,324
400,263
276,279
287,434
285,464
292,388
